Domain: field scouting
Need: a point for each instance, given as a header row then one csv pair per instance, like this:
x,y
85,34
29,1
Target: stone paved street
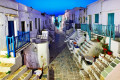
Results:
x,y
62,67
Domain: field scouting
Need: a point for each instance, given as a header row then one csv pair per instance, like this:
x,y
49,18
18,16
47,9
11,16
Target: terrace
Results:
x,y
99,29
14,43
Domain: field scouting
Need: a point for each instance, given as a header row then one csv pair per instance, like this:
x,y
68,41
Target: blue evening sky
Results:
x,y
56,7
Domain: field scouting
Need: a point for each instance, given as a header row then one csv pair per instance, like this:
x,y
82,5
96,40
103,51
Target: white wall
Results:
x,y
10,8
37,59
92,9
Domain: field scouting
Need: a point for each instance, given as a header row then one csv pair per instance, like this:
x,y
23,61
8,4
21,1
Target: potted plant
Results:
x,y
99,38
109,52
102,53
105,47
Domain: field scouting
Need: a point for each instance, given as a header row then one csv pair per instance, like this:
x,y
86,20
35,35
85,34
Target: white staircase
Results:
x,y
26,75
10,69
111,66
101,67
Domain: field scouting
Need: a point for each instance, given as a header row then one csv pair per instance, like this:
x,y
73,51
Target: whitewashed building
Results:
x,y
8,16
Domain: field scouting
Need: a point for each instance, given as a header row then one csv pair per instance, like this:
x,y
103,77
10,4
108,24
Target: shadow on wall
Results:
x,y
51,74
31,58
117,31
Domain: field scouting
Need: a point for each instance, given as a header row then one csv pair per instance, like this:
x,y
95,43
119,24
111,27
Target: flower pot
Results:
x,y
98,40
74,43
102,55
109,52
105,49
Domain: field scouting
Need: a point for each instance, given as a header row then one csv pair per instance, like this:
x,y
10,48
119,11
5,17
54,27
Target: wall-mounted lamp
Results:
x,y
35,49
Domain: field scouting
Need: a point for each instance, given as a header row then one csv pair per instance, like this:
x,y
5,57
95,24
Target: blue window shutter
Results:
x,y
111,19
96,18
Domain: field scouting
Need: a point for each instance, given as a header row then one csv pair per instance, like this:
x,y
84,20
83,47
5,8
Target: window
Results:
x,y
80,20
39,22
96,18
30,25
49,20
45,21
84,19
35,23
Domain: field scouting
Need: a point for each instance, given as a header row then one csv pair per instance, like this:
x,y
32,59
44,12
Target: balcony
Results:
x,y
15,43
104,30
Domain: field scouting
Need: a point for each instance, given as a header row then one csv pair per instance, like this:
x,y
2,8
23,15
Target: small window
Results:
x,y
84,19
35,23
96,18
80,20
30,25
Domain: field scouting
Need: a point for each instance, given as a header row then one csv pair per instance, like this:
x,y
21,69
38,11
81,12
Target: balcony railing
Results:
x,y
69,21
104,30
14,43
85,27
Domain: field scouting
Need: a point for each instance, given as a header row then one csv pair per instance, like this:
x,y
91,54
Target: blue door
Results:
x,y
111,19
10,28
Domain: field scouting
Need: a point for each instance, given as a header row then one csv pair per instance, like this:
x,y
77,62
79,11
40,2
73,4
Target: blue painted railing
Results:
x,y
85,27
14,43
104,30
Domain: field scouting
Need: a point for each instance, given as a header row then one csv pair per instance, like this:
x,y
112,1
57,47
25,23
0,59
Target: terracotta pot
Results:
x,y
109,52
74,43
98,40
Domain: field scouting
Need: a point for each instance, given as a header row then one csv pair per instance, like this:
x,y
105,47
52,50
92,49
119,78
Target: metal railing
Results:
x,y
14,43
85,27
104,30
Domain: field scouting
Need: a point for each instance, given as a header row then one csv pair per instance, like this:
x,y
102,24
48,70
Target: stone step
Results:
x,y
92,77
5,67
84,74
87,47
105,60
110,57
96,74
101,63
26,75
88,44
5,59
34,77
82,51
3,75
108,69
116,61
103,75
98,67
17,73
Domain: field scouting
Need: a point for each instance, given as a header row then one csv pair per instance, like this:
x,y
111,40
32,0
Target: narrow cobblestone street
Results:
x,y
62,66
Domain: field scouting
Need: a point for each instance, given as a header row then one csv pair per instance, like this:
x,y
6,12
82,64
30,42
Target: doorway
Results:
x,y
111,19
90,22
11,28
23,26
